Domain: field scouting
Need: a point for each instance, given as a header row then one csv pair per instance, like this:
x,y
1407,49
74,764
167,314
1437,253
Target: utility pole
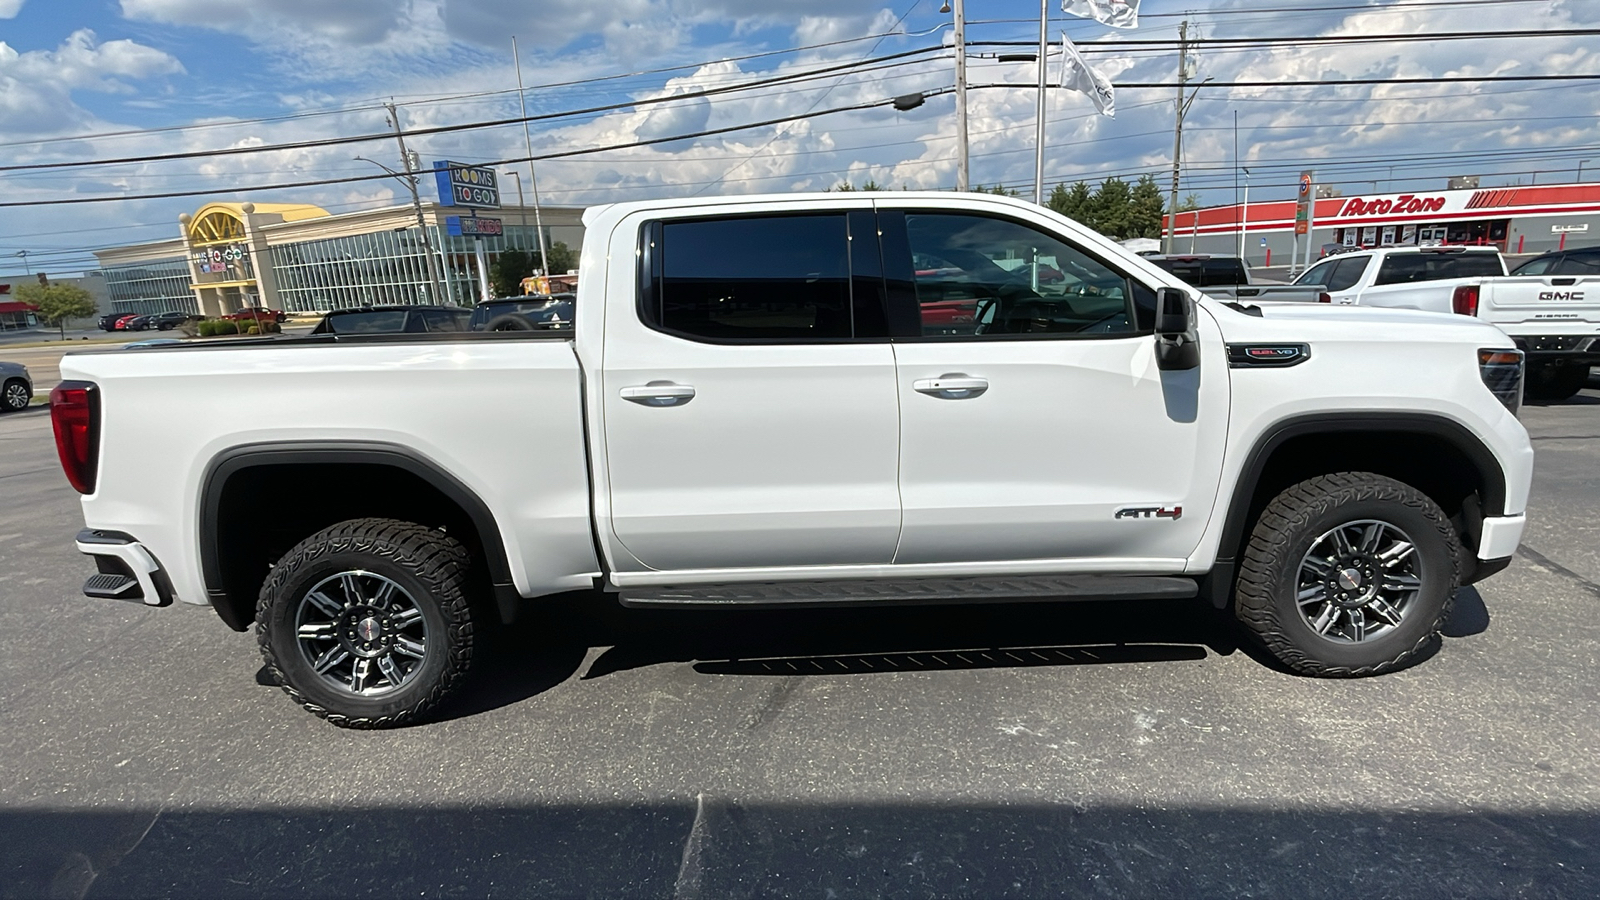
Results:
x,y
522,209
1177,129
533,177
962,178
416,202
1038,143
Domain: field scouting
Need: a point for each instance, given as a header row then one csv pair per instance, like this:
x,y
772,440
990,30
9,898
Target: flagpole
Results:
x,y
1038,149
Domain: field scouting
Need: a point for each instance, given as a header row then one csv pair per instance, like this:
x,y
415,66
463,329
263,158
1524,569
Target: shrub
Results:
x,y
225,326
207,328
252,330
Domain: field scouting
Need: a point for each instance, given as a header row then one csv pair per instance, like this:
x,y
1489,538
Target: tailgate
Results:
x,y
1541,299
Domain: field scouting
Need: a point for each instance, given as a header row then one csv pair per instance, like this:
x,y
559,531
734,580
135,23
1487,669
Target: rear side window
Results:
x,y
1410,268
1579,264
759,277
385,321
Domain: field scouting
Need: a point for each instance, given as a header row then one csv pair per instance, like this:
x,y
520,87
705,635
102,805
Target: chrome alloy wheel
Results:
x,y
361,633
17,395
1358,581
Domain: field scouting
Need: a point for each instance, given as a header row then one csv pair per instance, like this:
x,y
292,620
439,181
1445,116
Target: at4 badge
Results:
x,y
1150,512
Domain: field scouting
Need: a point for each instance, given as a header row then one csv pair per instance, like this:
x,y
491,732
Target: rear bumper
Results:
x,y
118,553
1574,349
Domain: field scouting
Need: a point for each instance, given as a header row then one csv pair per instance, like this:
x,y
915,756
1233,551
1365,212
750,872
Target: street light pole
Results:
x,y
1244,213
410,180
522,209
25,266
1038,145
533,177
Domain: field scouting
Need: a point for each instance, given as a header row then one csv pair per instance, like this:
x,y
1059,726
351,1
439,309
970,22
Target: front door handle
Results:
x,y
954,386
659,393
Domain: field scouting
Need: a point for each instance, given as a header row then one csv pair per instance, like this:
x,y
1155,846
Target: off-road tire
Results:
x,y
1554,383
1265,601
432,567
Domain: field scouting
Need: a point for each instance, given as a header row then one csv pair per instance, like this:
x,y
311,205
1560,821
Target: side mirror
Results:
x,y
1177,338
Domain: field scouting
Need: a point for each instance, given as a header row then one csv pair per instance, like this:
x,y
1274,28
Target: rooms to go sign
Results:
x,y
471,186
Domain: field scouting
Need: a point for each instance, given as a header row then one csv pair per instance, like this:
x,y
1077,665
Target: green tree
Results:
x,y
562,259
868,185
998,189
1190,201
58,302
1145,208
508,270
1072,202
1110,208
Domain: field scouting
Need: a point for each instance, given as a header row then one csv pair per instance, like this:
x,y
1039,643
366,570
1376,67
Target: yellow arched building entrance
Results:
x,y
228,254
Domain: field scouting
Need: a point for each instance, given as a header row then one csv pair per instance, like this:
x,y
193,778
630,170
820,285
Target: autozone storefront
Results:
x,y
1523,220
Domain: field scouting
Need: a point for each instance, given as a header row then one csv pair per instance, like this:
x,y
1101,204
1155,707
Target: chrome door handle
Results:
x,y
954,386
659,393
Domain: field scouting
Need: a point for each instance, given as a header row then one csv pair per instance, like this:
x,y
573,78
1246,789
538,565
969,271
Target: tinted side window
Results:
x,y
1346,272
1224,272
1579,264
771,277
976,275
1536,266
1408,268
445,320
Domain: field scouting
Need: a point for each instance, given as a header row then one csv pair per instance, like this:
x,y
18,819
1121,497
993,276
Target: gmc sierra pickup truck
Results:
x,y
1554,318
765,402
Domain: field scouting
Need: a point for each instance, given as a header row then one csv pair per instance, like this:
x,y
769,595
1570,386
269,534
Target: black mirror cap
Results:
x,y
1174,312
1177,337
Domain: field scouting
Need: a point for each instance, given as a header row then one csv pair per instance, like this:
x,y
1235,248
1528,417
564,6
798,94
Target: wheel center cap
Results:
x,y
1350,579
369,629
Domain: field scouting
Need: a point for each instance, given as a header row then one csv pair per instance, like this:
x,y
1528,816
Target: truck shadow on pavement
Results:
x,y
551,641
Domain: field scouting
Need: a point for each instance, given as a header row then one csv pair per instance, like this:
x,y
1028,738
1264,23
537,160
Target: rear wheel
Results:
x,y
367,623
15,395
1348,574
1551,382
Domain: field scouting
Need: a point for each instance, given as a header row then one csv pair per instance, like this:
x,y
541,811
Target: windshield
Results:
x,y
1409,268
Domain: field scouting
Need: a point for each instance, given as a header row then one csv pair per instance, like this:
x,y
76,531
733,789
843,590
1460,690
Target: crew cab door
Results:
x,y
749,394
1035,424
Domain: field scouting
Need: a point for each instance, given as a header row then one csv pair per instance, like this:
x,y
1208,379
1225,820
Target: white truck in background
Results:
x,y
807,400
1554,319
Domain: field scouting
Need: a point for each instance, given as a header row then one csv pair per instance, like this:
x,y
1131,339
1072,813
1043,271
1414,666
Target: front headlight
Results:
x,y
1502,375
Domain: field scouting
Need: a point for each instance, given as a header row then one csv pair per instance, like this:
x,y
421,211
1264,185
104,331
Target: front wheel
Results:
x,y
367,623
15,395
1348,574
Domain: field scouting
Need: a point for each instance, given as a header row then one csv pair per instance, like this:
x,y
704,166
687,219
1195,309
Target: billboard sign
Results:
x,y
475,187
472,226
1302,206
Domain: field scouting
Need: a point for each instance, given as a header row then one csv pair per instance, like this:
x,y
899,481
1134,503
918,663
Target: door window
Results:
x,y
1318,274
783,278
1346,273
978,276
1579,264
1537,266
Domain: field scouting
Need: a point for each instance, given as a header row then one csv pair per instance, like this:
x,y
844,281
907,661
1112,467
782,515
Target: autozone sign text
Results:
x,y
1405,203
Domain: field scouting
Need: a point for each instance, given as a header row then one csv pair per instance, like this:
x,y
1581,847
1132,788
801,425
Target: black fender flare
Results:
x,y
246,456
1218,583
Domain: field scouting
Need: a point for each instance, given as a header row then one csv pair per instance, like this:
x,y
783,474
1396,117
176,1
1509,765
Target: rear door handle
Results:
x,y
954,386
659,393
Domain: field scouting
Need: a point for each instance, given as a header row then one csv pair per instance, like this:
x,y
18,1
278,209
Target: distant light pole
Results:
x,y
25,267
522,211
1580,169
1244,213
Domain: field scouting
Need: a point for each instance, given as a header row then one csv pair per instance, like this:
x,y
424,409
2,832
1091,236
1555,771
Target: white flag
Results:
x,y
1076,75
1116,13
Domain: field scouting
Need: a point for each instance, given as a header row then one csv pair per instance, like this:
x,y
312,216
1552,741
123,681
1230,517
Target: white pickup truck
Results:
x,y
1553,318
767,402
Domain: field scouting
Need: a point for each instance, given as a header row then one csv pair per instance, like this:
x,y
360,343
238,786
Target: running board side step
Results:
x,y
909,591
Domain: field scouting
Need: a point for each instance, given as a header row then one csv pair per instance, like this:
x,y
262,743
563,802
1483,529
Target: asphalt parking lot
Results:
x,y
1031,750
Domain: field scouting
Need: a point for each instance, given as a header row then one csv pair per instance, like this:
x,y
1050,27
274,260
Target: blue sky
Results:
x,y
76,74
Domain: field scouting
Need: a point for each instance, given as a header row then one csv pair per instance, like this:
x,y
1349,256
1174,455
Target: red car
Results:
x,y
122,323
258,314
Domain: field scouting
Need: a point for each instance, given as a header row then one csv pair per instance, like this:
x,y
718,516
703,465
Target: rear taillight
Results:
x,y
1465,300
1324,297
1502,375
75,415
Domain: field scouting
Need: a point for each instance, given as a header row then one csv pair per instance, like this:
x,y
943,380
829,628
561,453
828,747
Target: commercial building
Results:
x,y
300,258
1517,220
16,315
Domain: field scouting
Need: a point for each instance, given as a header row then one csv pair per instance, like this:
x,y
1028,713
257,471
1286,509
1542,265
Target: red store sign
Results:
x,y
1404,203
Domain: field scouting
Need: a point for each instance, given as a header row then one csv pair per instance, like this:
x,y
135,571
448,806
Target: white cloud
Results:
x,y
10,8
36,87
343,21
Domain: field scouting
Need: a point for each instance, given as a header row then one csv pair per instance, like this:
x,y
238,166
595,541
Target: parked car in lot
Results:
x,y
16,387
256,314
1228,278
125,321
526,313
1553,318
752,412
169,320
1584,261
108,322
394,320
